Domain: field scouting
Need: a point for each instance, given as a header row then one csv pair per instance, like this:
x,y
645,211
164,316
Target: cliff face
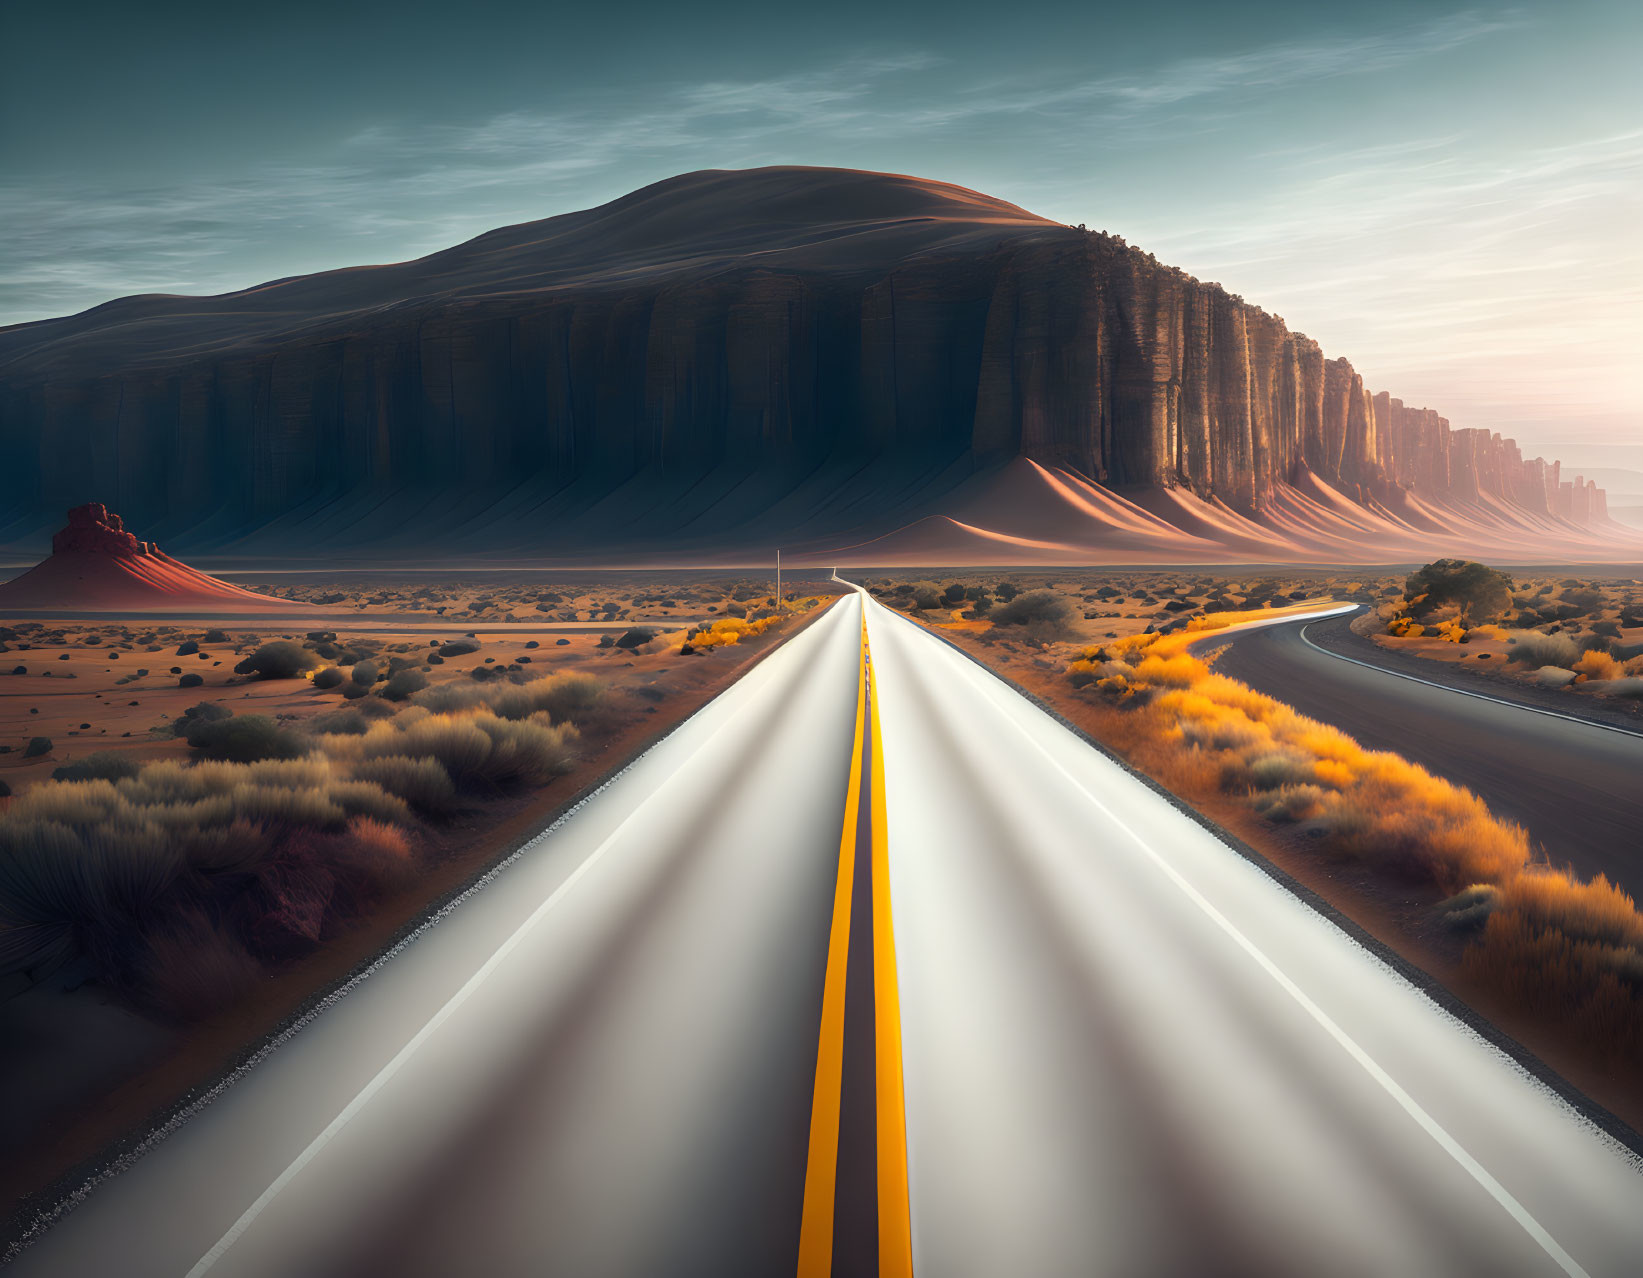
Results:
x,y
942,341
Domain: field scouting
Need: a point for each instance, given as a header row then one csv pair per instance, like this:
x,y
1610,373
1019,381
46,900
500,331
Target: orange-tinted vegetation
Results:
x,y
1542,942
1422,864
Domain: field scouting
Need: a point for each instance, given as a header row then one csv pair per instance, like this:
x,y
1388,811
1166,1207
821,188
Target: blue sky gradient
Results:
x,y
1451,198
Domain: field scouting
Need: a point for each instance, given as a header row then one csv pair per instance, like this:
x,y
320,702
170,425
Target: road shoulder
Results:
x,y
1336,637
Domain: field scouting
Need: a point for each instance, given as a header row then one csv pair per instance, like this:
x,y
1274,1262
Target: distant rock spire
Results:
x,y
92,529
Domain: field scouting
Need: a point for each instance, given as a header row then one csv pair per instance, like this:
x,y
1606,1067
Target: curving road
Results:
x,y
1575,786
872,967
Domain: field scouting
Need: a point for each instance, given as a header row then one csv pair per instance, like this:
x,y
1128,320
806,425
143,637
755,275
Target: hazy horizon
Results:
x,y
1448,198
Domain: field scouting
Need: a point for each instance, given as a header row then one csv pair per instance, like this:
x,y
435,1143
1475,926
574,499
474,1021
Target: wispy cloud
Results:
x,y
1438,263
1501,288
396,191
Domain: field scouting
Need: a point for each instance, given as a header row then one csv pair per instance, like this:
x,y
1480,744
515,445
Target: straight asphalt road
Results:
x,y
1576,787
874,968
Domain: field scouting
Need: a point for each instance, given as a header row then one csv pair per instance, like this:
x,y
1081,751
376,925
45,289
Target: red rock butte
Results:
x,y
97,566
728,361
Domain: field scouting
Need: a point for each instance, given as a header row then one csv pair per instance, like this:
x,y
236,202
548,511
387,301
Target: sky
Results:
x,y
1450,197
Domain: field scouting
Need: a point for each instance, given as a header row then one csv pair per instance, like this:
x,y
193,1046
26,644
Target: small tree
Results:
x,y
280,659
1480,593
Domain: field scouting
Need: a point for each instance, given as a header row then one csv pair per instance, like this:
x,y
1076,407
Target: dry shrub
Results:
x,y
195,967
1471,906
376,855
347,721
1538,649
1587,989
477,751
1597,911
1279,768
568,698
422,783
244,739
280,659
1599,665
403,683
1289,802
101,765
112,869
1046,615
365,799
240,863
1545,942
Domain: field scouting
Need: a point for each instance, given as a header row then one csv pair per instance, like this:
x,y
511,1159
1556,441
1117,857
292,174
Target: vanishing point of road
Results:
x,y
871,967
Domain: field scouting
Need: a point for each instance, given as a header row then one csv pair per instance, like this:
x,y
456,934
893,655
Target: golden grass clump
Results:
x,y
566,698
1598,665
478,750
1546,942
725,631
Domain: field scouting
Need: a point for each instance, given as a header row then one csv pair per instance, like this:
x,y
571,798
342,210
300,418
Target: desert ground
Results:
x,y
138,1006
571,674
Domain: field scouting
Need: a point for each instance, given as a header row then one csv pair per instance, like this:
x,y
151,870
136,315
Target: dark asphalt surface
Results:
x,y
1124,1049
1576,787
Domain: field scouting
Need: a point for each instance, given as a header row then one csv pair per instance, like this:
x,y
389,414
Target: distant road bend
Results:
x,y
871,967
1574,785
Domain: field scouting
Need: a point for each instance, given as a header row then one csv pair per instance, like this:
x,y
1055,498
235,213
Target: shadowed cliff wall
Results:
x,y
1068,347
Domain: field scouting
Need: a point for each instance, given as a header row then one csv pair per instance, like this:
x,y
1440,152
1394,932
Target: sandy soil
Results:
x,y
90,1073
1590,609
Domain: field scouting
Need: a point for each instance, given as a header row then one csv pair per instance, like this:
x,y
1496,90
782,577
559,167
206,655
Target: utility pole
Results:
x,y
778,576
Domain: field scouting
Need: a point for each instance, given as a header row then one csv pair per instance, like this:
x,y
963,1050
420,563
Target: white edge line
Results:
x,y
249,1216
1463,692
1410,1105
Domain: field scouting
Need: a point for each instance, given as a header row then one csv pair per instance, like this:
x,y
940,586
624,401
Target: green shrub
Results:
x,y
1479,592
637,637
401,685
104,765
329,677
1045,612
245,738
36,747
281,659
346,721
458,648
365,673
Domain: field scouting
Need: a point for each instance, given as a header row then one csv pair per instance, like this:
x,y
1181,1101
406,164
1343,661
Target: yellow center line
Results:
x,y
895,1226
821,1168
